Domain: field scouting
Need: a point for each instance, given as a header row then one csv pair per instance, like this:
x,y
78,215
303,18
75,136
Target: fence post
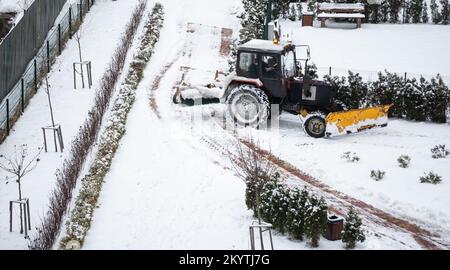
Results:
x,y
406,74
329,71
22,95
48,56
59,39
35,76
81,10
7,116
70,22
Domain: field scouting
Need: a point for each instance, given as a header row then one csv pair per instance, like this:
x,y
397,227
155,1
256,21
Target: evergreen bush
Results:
x,y
431,178
352,232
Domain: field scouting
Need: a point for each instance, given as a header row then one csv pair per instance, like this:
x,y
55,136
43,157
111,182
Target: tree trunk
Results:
x,y
20,205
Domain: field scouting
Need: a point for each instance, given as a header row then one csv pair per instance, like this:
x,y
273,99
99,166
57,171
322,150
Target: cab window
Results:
x,y
248,64
269,66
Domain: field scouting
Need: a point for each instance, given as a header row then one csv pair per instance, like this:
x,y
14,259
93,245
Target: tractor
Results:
x,y
269,73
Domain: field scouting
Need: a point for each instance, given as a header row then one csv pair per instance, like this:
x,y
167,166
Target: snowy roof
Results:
x,y
262,45
341,15
332,6
10,6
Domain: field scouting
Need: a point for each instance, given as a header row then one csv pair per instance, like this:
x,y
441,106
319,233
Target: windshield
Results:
x,y
289,65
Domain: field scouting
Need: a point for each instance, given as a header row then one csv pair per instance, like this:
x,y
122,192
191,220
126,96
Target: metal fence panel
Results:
x,y
29,35
21,44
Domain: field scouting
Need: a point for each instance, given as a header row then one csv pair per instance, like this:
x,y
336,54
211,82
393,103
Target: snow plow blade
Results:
x,y
192,94
197,95
345,122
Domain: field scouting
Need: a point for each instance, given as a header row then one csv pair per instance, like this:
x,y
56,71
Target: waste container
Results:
x,y
335,227
307,18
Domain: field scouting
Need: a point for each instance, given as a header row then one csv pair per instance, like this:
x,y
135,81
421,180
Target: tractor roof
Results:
x,y
259,45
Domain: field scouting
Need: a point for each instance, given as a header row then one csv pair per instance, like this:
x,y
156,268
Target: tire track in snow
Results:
x,y
156,83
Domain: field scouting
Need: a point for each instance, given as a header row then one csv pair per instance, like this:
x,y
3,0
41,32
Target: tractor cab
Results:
x,y
278,71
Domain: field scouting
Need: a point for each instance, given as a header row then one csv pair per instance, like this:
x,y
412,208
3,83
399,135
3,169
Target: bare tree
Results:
x,y
78,36
254,168
19,165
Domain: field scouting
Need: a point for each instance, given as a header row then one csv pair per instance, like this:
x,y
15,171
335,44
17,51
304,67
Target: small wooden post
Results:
x,y
28,211
24,205
322,22
358,23
329,71
45,140
10,215
90,74
61,142
74,77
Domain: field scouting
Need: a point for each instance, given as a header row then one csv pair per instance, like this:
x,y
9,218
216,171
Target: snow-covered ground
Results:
x,y
400,192
172,187
70,109
184,194
167,189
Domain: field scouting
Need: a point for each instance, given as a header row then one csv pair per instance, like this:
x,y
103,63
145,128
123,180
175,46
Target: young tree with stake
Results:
x,y
19,165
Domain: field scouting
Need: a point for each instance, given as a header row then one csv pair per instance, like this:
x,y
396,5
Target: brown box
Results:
x,y
335,225
307,19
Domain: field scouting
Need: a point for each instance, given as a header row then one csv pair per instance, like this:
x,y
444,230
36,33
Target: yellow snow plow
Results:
x,y
357,120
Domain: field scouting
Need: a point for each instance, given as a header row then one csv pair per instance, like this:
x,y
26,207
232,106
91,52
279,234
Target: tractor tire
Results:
x,y
248,106
315,126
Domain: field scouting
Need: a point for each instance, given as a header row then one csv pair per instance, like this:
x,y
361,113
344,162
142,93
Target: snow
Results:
x,y
181,195
10,6
264,45
70,108
333,6
170,168
171,184
413,48
400,192
341,15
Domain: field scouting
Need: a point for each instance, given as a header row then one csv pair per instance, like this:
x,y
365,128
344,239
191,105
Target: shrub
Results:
x,y
274,203
352,232
350,157
377,175
297,212
439,151
316,219
431,178
404,161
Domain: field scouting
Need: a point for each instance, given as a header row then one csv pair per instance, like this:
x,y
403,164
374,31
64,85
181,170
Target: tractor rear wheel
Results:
x,y
315,126
248,105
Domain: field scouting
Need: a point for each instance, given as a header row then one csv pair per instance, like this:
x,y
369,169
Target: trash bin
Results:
x,y
307,18
335,227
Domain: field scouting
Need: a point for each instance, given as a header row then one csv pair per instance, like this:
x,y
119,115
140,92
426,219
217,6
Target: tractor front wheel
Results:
x,y
315,126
